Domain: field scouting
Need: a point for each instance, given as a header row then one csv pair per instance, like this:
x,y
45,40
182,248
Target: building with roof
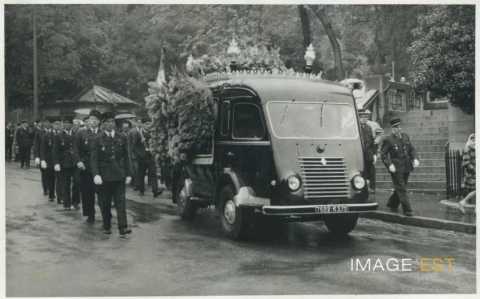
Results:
x,y
96,97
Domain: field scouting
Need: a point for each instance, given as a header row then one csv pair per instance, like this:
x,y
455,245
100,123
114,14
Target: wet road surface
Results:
x,y
54,253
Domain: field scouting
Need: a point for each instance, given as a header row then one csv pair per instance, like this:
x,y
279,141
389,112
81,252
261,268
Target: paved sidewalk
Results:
x,y
428,212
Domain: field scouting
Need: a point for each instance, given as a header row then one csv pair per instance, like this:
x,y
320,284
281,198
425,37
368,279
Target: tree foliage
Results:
x,y
118,46
443,54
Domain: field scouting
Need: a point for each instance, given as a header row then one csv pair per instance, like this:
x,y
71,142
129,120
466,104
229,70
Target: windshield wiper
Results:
x,y
284,113
321,115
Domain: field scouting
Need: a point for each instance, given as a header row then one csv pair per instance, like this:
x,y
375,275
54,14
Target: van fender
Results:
x,y
245,195
230,177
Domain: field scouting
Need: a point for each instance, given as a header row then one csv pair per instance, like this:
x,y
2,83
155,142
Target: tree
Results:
x,y
443,54
305,21
320,13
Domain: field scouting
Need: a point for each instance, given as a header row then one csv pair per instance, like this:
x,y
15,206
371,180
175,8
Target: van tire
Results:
x,y
232,218
186,209
341,224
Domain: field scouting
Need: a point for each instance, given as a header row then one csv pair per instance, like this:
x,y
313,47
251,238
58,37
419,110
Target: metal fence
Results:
x,y
454,171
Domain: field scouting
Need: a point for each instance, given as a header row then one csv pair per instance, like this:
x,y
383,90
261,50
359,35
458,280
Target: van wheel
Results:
x,y
232,217
186,209
341,224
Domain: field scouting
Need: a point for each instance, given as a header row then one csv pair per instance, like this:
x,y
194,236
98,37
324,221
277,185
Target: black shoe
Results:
x,y
67,208
45,193
142,193
408,213
76,207
107,231
51,199
90,220
157,193
124,231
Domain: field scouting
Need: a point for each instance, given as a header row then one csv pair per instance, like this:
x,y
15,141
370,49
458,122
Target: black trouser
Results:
x,y
400,196
144,166
24,155
49,174
135,181
87,187
43,175
8,150
58,186
115,191
76,187
65,182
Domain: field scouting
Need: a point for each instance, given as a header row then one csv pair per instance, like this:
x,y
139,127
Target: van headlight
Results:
x,y
358,182
293,183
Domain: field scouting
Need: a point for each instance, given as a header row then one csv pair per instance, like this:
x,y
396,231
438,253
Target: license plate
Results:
x,y
331,209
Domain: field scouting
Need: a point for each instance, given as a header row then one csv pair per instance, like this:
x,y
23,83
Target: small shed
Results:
x,y
96,97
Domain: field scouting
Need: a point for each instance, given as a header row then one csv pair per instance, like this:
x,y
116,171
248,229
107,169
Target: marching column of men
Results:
x,y
100,156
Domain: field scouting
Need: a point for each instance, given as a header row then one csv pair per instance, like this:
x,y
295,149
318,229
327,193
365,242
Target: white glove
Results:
x,y
81,165
392,168
97,180
374,159
37,161
43,164
416,163
128,180
57,167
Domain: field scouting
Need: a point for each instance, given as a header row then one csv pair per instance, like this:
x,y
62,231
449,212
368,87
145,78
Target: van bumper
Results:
x,y
246,198
310,210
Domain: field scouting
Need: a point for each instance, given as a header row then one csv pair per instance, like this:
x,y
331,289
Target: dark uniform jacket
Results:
x,y
24,137
109,157
369,146
398,151
46,148
37,140
82,146
63,150
9,134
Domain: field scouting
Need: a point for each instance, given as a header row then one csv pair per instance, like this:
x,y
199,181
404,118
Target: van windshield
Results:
x,y
312,120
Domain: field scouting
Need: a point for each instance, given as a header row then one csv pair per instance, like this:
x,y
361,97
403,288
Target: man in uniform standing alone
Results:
x,y
82,146
400,158
111,172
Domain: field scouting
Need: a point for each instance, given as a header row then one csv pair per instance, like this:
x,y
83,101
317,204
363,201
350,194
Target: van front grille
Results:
x,y
324,178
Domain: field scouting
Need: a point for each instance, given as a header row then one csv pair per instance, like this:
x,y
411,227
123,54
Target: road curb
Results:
x,y
422,221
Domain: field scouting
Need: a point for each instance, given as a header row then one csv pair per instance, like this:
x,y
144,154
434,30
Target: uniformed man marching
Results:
x,y
46,159
111,171
76,127
400,158
24,140
82,146
63,158
37,140
57,128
